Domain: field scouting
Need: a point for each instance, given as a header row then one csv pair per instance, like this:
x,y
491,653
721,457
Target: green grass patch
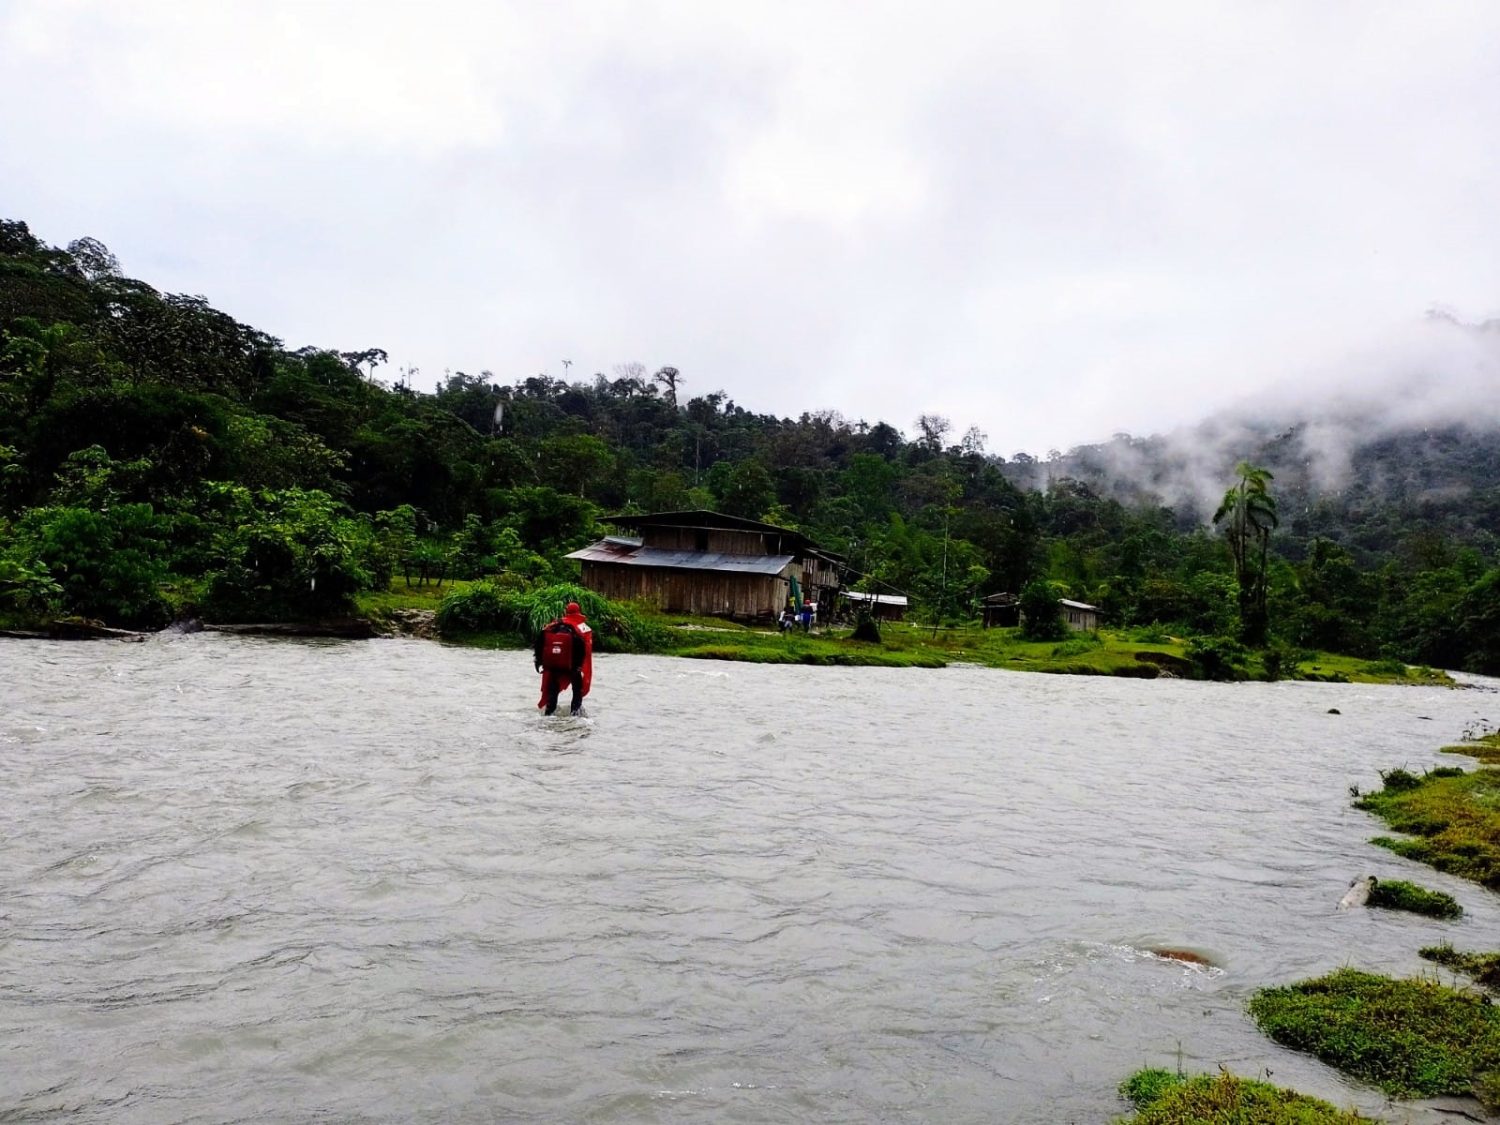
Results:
x,y
1136,653
1452,820
1164,1098
376,603
1329,667
1485,748
1483,967
1412,1038
769,648
1400,895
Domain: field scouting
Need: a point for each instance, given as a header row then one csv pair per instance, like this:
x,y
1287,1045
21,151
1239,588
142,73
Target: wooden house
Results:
x,y
711,564
1080,616
1001,611
882,607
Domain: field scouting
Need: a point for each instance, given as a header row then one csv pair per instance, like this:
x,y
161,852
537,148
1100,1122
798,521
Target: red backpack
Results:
x,y
557,647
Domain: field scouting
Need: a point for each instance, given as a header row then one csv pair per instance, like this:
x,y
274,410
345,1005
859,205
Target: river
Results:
x,y
254,880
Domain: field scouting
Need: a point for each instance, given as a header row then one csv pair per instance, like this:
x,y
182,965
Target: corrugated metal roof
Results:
x,y
607,552
700,519
877,599
1075,605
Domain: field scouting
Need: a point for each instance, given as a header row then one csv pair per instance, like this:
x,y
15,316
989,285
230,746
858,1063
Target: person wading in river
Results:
x,y
564,655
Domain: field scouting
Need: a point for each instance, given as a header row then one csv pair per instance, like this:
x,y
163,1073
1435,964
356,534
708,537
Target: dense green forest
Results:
x,y
159,458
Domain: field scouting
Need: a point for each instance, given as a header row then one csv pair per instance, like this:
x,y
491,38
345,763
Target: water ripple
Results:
x,y
247,879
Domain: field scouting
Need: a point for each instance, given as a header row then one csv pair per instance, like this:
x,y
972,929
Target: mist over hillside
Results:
x,y
1411,429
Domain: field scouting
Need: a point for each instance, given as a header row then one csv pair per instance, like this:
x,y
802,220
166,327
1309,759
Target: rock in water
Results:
x,y
1358,893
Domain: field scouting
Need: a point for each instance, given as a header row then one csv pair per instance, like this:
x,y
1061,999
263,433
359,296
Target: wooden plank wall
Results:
x,y
710,593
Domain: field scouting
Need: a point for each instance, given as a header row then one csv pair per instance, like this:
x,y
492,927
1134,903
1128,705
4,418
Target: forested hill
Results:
x,y
1356,480
157,456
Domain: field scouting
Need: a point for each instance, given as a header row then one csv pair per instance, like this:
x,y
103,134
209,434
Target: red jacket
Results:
x,y
581,623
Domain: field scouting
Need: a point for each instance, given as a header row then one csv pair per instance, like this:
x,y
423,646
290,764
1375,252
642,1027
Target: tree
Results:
x,y
934,428
748,491
1041,616
1248,516
669,377
94,258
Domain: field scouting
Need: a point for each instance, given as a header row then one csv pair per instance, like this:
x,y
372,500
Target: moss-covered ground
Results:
x,y
1484,968
1451,818
1164,1098
1412,1038
1399,895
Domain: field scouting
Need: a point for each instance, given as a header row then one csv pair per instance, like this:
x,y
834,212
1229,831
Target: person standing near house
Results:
x,y
806,616
564,655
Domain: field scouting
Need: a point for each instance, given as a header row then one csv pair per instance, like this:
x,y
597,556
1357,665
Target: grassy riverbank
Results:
x,y
1412,1038
1451,819
1140,654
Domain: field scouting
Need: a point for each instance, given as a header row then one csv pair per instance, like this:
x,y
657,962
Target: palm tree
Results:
x,y
1249,516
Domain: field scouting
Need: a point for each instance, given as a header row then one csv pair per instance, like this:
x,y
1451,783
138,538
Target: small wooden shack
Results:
x,y
709,563
1001,611
1080,616
882,607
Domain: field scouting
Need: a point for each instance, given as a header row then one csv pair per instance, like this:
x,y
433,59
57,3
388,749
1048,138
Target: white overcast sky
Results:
x,y
1051,220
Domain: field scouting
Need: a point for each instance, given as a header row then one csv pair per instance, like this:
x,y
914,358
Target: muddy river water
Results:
x,y
249,880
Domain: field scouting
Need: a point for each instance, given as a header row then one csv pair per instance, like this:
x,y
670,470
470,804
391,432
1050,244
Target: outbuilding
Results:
x,y
711,564
1080,616
882,607
1001,611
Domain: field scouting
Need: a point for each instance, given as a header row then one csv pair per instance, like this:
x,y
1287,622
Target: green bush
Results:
x,y
27,592
486,607
1041,616
288,555
106,564
1218,658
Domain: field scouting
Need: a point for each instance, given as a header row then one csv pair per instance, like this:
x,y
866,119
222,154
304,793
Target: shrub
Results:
x,y
1041,616
486,607
285,555
106,564
1218,658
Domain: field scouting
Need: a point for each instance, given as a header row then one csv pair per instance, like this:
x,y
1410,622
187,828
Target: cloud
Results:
x,y
1054,221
